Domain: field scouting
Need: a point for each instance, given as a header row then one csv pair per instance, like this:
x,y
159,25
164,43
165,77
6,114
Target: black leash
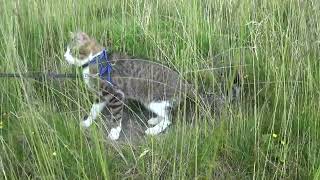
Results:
x,y
40,75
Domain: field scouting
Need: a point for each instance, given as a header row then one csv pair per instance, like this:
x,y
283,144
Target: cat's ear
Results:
x,y
83,36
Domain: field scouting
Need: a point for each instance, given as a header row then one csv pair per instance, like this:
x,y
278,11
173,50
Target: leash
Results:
x,y
102,60
40,75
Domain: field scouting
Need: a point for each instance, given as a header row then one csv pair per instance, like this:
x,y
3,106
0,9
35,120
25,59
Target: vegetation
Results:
x,y
272,133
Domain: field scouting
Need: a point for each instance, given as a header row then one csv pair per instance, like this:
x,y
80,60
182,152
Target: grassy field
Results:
x,y
272,133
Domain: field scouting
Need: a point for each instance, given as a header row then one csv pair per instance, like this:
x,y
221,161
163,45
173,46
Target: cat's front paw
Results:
x,y
114,133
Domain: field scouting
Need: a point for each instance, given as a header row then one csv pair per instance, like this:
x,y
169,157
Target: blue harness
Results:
x,y
104,65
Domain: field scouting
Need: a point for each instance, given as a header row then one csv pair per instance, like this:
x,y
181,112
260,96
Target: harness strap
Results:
x,y
104,65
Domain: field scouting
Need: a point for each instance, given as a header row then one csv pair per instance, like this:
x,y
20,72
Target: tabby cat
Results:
x,y
156,86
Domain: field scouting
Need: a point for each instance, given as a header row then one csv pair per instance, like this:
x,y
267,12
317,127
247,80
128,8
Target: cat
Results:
x,y
154,85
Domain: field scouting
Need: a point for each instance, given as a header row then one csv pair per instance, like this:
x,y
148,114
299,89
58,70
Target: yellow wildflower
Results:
x,y
274,135
54,153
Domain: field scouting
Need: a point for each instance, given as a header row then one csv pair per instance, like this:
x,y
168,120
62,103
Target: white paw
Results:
x,y
114,133
158,128
85,123
154,120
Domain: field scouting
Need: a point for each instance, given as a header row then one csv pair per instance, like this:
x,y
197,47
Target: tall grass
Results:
x,y
273,133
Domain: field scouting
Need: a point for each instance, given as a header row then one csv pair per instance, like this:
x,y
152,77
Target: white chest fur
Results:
x,y
85,75
89,79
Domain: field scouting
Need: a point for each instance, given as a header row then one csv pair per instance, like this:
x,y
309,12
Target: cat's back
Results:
x,y
126,66
139,76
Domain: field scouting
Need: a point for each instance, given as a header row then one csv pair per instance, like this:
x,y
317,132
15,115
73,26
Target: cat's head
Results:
x,y
81,48
78,39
